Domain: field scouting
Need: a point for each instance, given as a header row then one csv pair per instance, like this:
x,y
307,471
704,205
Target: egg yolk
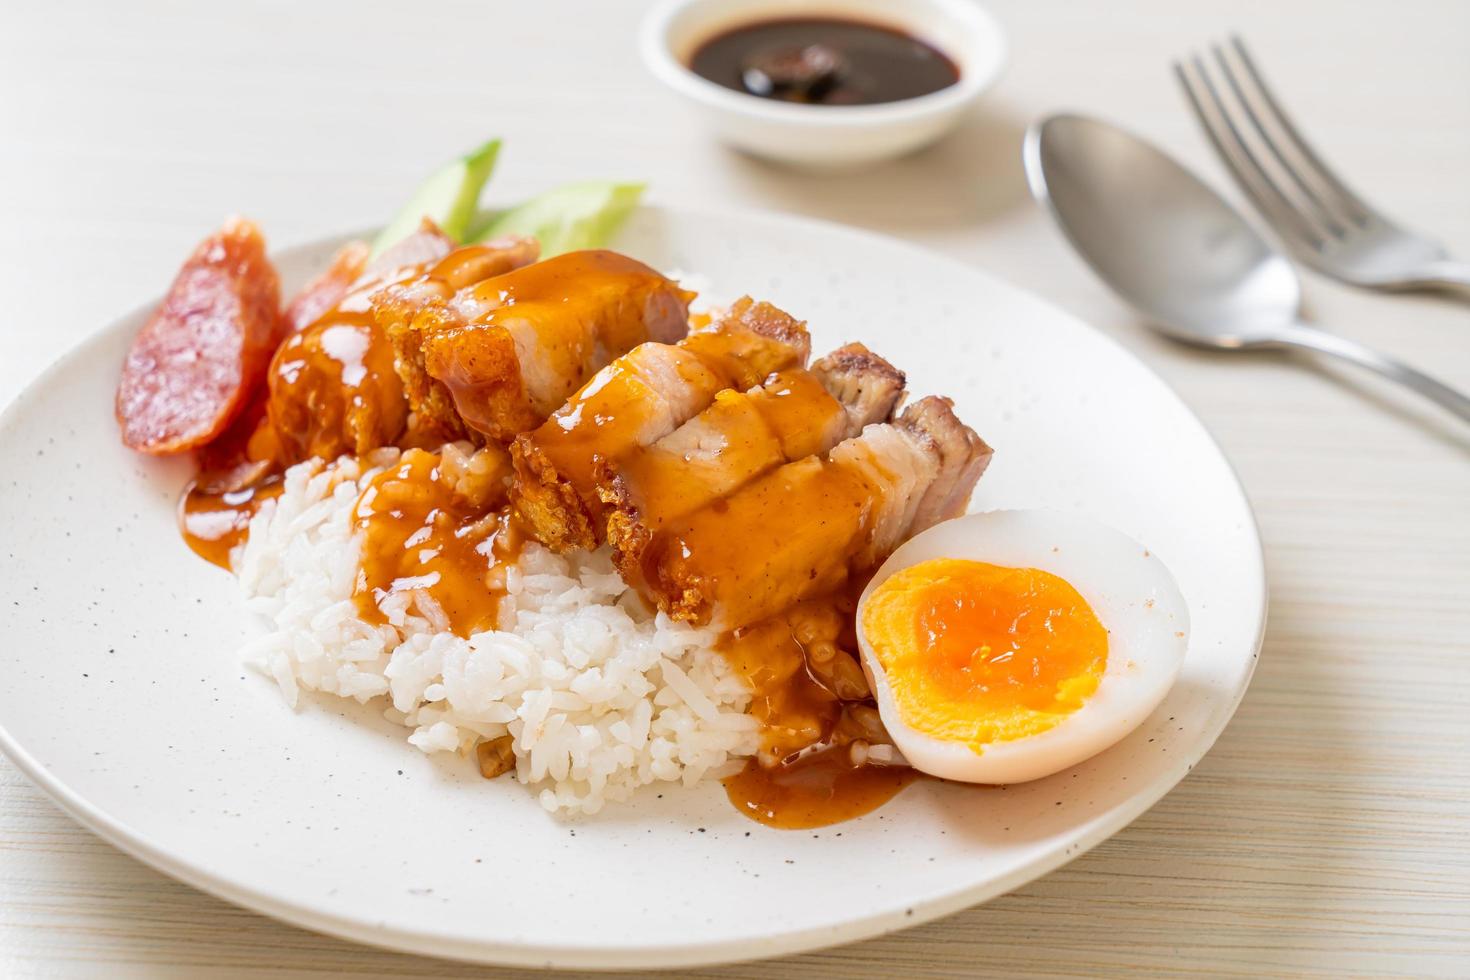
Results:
x,y
979,653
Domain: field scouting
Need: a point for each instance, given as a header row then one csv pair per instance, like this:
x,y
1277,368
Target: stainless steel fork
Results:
x,y
1317,217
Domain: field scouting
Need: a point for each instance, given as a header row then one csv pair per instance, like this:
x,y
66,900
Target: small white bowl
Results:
x,y
823,137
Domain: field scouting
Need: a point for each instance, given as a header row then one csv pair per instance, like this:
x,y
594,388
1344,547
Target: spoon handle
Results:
x,y
1310,338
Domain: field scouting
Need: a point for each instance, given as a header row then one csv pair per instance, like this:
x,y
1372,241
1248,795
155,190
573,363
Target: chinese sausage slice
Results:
x,y
201,357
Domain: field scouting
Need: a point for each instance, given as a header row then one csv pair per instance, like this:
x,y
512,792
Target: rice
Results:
x,y
599,696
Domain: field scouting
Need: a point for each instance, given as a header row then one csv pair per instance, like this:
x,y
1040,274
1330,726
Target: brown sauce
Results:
x,y
824,61
421,534
213,520
816,790
814,706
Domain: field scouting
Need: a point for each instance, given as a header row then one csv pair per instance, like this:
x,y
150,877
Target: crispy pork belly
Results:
x,y
396,306
750,341
331,389
790,534
963,456
806,528
635,401
399,302
741,436
738,437
333,385
498,356
868,387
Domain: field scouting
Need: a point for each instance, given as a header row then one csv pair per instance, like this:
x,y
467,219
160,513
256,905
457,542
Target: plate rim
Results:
x,y
700,952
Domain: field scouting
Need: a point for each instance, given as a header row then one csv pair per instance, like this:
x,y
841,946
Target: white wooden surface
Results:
x,y
1326,833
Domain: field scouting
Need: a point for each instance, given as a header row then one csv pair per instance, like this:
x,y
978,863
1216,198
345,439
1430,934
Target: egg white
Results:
x,y
1131,591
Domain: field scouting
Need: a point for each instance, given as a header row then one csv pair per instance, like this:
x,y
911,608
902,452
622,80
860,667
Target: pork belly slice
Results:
x,y
808,527
333,386
499,355
397,305
867,386
398,302
741,436
635,401
963,456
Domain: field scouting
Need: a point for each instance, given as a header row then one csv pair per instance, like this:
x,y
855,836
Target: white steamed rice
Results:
x,y
599,696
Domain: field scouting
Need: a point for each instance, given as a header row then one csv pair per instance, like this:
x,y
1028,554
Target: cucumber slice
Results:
x,y
573,216
448,198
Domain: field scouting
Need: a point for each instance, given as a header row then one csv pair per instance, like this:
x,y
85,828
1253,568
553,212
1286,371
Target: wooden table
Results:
x,y
1329,830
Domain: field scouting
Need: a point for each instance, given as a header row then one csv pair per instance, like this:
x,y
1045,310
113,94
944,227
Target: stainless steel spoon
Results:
x,y
1178,252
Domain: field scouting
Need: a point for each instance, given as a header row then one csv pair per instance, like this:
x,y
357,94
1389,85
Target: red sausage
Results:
x,y
196,363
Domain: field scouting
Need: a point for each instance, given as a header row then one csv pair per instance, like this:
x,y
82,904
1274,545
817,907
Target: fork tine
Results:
x,y
1239,160
1312,230
1312,203
1353,205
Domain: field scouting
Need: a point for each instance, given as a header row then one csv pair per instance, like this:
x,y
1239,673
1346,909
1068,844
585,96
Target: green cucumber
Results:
x,y
448,198
571,217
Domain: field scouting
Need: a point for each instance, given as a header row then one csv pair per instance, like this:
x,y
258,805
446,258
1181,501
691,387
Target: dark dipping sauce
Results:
x,y
824,61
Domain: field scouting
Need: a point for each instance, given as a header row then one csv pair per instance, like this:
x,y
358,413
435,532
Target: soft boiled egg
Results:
x,y
1010,645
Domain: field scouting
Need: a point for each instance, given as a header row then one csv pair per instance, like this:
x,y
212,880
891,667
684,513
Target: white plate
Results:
x,y
123,699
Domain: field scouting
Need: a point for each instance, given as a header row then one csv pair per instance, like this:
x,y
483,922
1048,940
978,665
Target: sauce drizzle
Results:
x,y
818,720
816,790
426,530
213,521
